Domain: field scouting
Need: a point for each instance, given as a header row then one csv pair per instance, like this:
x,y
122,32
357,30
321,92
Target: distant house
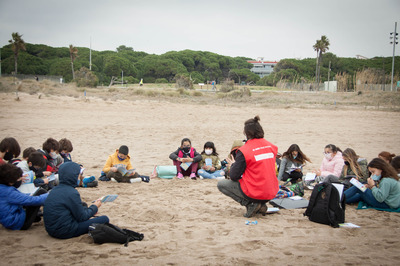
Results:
x,y
261,67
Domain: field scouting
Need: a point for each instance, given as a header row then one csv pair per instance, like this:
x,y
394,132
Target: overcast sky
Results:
x,y
274,29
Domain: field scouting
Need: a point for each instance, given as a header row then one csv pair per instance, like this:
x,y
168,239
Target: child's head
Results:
x,y
123,152
209,148
253,129
69,173
10,175
27,152
65,146
36,160
294,153
51,146
380,168
185,142
396,163
386,156
10,148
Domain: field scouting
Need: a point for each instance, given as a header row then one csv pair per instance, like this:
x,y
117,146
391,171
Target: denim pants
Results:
x,y
353,195
232,189
210,175
83,227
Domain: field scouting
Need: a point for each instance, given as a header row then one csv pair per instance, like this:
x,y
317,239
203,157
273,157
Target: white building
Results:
x,y
261,67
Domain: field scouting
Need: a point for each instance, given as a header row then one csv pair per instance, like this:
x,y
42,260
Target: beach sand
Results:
x,y
189,222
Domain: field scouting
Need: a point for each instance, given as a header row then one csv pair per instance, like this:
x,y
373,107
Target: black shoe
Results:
x,y
92,184
37,219
252,209
263,209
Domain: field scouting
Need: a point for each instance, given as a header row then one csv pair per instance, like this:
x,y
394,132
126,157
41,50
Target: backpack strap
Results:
x,y
314,194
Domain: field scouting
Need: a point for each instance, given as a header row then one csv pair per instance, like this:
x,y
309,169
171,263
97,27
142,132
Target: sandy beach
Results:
x,y
188,222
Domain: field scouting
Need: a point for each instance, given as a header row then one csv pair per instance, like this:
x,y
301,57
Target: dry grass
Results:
x,y
259,96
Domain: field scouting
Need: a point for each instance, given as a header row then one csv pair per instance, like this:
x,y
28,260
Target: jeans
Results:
x,y
232,189
83,227
353,195
210,175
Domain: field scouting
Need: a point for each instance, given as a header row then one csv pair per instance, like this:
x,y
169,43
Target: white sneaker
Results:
x,y
135,180
112,179
220,177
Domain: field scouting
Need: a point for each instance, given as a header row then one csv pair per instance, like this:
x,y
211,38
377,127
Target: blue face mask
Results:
x,y
376,177
119,158
294,156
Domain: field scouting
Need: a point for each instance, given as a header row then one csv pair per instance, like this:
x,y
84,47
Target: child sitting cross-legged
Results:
x,y
64,213
210,165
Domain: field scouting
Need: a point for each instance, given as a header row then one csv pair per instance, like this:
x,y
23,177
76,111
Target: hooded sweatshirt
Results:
x,y
114,161
333,166
63,209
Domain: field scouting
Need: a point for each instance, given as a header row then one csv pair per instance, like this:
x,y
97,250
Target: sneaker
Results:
x,y
113,180
135,180
193,176
263,209
145,178
220,177
252,209
92,184
87,180
179,176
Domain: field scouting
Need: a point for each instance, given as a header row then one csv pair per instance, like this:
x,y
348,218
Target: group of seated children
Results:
x,y
206,165
64,213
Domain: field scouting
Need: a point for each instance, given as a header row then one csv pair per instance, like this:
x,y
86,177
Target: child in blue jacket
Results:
x,y
17,210
64,214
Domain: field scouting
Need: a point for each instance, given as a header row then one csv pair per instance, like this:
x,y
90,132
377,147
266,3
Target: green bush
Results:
x,y
197,93
161,80
85,78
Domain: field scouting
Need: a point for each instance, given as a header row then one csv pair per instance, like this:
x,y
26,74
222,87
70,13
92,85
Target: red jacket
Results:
x,y
259,178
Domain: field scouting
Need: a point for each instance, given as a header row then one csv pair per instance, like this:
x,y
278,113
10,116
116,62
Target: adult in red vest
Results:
x,y
253,178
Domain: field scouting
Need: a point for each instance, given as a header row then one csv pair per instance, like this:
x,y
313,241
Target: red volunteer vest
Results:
x,y
259,178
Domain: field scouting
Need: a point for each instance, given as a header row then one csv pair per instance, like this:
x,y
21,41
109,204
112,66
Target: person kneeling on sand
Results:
x,y
64,213
119,167
253,176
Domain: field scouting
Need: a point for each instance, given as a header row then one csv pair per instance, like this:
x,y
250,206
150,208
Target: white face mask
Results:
x,y
208,151
328,156
53,155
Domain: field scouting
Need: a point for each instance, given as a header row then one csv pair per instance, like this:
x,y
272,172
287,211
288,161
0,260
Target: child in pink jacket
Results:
x,y
332,164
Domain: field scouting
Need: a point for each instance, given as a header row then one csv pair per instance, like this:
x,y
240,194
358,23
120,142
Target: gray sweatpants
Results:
x,y
232,189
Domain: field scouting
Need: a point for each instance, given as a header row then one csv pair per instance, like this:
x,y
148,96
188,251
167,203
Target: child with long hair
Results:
x,y
383,187
332,163
210,164
354,166
386,156
292,164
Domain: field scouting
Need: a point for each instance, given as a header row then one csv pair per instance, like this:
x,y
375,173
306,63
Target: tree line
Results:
x,y
199,66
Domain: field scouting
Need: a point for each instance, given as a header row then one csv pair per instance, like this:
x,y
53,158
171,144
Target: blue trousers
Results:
x,y
354,195
83,227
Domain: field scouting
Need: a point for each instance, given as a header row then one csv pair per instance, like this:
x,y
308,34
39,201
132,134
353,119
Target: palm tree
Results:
x,y
73,52
321,46
17,44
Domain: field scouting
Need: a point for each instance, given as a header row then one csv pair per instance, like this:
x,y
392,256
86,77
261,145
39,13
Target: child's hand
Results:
x,y
46,180
114,169
97,203
46,173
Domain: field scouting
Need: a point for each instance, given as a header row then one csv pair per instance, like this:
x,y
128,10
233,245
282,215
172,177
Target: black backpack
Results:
x,y
108,233
325,206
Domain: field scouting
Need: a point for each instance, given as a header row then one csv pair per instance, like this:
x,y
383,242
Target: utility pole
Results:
x,y
394,42
122,75
0,63
90,54
329,72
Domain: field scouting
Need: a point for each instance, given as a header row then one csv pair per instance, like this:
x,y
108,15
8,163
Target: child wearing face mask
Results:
x,y
354,166
383,187
292,164
50,152
121,159
210,165
188,156
226,163
9,151
65,150
332,164
17,210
